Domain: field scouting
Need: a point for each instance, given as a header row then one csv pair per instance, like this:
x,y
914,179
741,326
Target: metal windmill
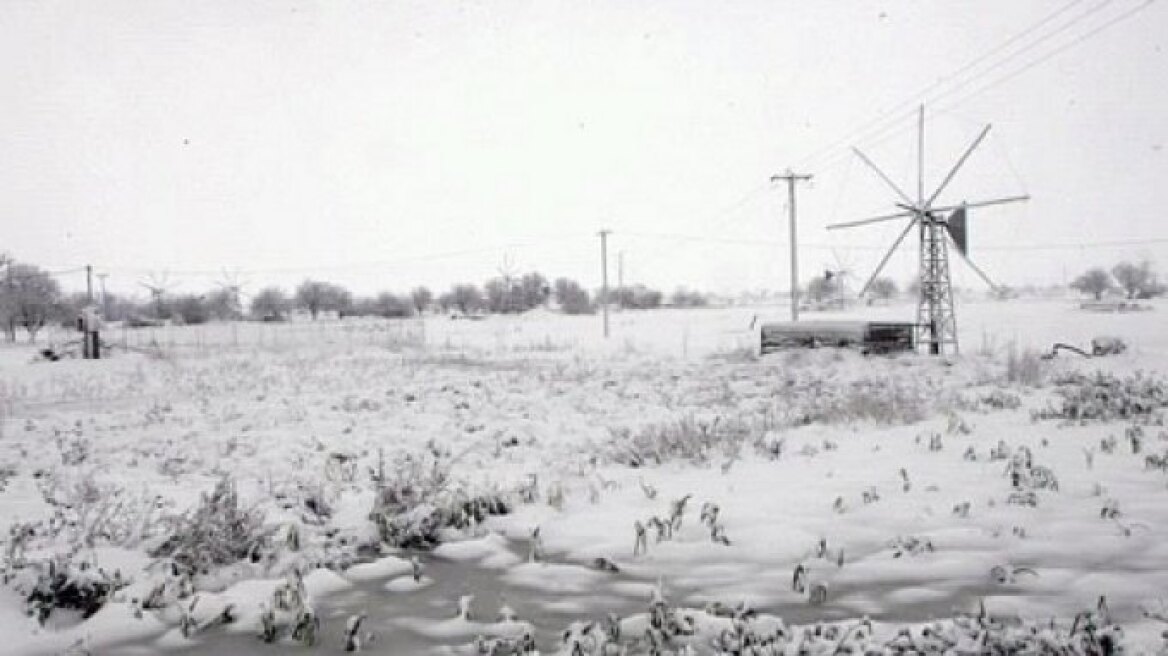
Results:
x,y
231,284
937,225
838,277
157,286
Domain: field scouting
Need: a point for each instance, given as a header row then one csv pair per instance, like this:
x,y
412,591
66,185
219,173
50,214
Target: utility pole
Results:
x,y
604,277
620,270
791,178
104,298
89,283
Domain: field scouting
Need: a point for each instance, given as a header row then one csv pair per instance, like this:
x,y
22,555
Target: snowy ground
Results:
x,y
885,478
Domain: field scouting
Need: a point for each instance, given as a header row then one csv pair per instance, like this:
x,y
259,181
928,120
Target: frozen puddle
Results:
x,y
408,616
405,616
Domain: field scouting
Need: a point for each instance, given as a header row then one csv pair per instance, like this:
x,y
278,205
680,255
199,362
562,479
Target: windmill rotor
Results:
x,y
158,285
938,226
233,285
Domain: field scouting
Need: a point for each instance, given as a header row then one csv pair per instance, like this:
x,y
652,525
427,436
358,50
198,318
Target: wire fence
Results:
x,y
205,339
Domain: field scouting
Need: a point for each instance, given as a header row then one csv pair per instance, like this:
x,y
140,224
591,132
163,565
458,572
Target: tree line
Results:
x,y
1133,280
31,298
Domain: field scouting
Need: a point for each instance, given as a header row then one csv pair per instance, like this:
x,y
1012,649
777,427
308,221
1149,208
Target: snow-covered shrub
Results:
x,y
686,439
218,532
994,399
875,400
1106,397
418,500
1025,368
62,581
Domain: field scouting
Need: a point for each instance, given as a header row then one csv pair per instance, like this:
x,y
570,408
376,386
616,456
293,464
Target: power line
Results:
x,y
344,267
1080,39
879,125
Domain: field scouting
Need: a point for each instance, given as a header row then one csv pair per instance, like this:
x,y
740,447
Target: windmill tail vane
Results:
x,y
938,226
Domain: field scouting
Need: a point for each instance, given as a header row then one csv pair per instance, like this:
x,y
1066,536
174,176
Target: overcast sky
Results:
x,y
386,144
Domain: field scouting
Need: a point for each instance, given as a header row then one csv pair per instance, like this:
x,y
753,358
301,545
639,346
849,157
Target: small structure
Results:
x,y
868,336
90,324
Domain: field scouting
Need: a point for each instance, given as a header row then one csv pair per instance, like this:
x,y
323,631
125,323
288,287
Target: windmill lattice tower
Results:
x,y
936,318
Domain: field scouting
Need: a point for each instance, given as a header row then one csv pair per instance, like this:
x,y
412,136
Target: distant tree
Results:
x,y
316,296
269,303
29,298
821,288
191,309
637,297
534,290
421,298
222,305
883,289
913,289
1095,282
1136,280
69,307
683,297
573,298
499,295
465,297
390,305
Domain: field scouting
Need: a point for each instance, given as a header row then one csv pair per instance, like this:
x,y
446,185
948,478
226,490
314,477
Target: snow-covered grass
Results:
x,y
904,489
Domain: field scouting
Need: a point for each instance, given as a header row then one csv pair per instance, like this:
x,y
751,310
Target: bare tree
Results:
x,y
191,309
29,298
683,297
316,296
389,305
572,298
821,288
270,303
421,297
499,295
534,290
466,297
1136,280
883,289
222,304
636,297
1095,282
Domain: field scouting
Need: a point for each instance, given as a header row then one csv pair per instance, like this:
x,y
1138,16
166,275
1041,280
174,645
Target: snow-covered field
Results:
x,y
156,489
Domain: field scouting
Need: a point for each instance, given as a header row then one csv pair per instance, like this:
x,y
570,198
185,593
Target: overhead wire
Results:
x,y
898,113
883,129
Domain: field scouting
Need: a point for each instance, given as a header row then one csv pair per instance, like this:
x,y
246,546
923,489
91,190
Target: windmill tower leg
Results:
x,y
936,320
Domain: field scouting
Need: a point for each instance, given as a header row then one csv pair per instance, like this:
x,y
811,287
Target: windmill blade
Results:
x,y
979,272
875,219
957,167
981,203
888,256
883,177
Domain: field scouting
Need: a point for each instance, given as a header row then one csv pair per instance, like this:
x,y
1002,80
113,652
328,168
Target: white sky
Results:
x,y
357,141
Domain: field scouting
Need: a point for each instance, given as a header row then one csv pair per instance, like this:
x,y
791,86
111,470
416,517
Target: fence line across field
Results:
x,y
205,338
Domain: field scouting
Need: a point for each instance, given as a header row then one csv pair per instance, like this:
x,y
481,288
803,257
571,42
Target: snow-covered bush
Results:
x,y
1025,368
1106,397
63,581
220,531
418,500
687,439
